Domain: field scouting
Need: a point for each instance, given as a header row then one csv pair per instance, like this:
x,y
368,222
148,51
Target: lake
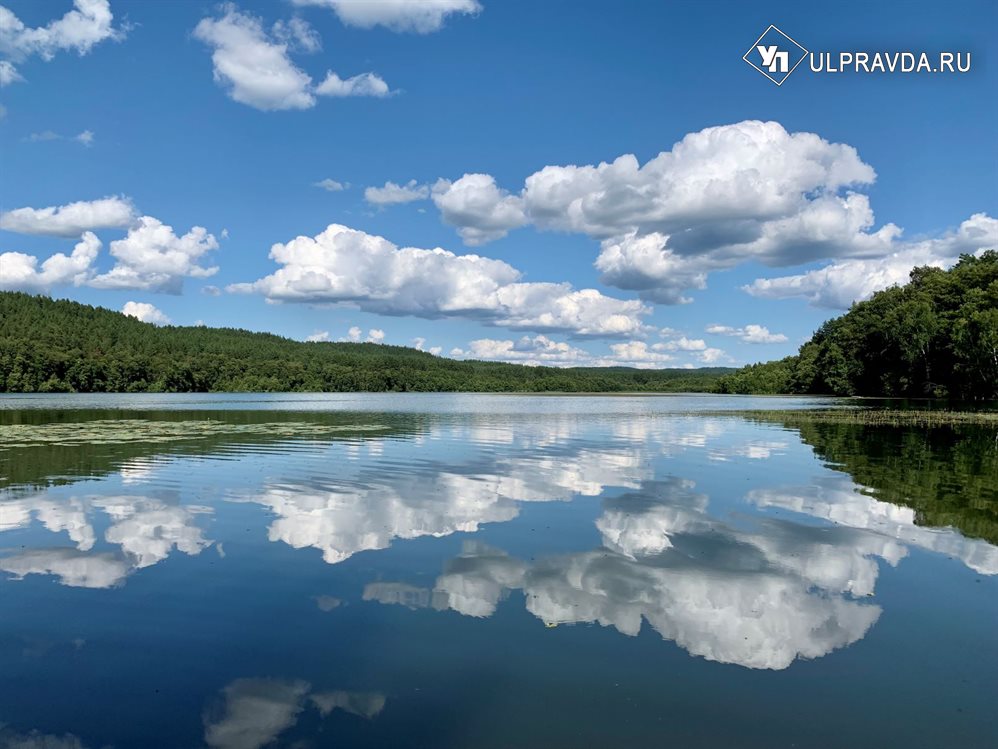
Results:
x,y
445,570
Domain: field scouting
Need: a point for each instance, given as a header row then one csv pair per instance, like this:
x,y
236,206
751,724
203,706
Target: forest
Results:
x,y
51,345
934,337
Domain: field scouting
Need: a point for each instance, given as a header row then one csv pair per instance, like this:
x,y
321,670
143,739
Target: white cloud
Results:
x,y
254,67
73,568
769,595
145,312
9,74
152,258
375,335
418,343
364,84
541,350
748,334
345,265
420,16
80,29
837,499
20,272
685,344
719,197
392,193
44,136
330,185
839,284
86,137
146,531
354,334
254,712
713,356
364,704
481,211
37,740
298,34
70,220
318,336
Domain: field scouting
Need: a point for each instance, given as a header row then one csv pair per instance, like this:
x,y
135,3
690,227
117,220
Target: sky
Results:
x,y
565,183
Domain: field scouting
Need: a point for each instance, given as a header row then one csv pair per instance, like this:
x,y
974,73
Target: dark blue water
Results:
x,y
490,571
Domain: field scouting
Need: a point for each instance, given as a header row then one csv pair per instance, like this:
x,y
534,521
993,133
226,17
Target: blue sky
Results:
x,y
780,206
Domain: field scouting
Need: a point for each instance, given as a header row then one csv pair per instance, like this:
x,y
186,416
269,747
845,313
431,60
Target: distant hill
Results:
x,y
51,345
936,336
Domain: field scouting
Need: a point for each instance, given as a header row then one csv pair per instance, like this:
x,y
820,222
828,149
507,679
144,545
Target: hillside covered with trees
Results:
x,y
936,336
61,346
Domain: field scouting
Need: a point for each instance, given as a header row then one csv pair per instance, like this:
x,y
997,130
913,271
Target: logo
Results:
x,y
775,55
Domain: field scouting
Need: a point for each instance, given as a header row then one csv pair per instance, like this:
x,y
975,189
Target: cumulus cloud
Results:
x,y
354,334
145,312
420,16
375,335
19,271
9,74
541,350
255,67
391,193
364,84
478,208
364,704
758,597
330,185
345,265
837,499
839,284
152,258
73,568
37,740
719,197
683,343
318,336
253,712
298,35
70,220
748,334
367,509
420,345
146,531
79,30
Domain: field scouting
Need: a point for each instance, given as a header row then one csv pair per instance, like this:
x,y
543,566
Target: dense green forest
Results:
x,y
936,336
61,346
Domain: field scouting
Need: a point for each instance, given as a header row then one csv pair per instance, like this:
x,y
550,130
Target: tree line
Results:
x,y
49,345
936,336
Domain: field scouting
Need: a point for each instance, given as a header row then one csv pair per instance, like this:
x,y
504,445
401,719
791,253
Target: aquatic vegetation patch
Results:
x,y
869,417
121,431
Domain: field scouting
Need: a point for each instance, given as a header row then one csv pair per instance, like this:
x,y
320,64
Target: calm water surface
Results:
x,y
490,571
